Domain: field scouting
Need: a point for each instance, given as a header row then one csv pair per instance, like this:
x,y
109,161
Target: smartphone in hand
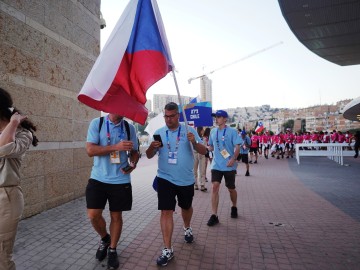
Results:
x,y
157,137
127,168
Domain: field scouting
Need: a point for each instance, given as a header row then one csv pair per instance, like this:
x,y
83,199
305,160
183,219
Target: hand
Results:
x,y
230,163
191,137
125,145
155,144
17,118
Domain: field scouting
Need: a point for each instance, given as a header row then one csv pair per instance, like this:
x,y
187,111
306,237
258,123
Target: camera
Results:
x,y
102,21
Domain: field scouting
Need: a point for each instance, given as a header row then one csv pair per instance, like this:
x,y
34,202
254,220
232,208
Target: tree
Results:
x,y
288,124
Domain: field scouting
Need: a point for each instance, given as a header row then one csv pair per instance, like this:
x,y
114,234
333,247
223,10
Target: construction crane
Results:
x,y
237,61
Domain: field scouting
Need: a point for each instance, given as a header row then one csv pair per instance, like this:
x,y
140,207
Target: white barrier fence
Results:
x,y
334,151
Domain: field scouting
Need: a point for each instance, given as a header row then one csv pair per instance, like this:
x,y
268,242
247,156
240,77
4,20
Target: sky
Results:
x,y
204,35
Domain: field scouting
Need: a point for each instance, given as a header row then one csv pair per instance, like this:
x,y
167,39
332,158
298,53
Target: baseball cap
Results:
x,y
220,113
243,132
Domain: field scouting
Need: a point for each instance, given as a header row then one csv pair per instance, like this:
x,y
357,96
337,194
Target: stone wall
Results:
x,y
47,48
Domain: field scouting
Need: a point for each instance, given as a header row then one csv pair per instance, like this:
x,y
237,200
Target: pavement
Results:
x,y
291,216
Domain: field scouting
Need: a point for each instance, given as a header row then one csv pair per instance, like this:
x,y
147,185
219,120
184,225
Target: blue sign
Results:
x,y
198,114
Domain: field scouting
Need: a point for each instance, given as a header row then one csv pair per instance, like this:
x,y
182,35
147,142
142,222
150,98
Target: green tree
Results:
x,y
288,124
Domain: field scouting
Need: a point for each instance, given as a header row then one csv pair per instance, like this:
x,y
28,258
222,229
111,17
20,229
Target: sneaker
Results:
x,y
189,238
165,257
102,250
213,220
247,173
203,188
196,187
113,260
234,213
250,161
255,161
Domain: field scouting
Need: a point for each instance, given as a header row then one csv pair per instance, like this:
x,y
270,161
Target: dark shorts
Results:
x,y
244,158
216,176
289,146
253,150
118,195
167,193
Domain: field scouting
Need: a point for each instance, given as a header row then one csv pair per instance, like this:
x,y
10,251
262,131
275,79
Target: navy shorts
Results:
x,y
118,195
216,176
168,192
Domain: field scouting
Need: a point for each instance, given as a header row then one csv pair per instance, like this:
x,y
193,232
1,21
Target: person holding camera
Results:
x,y
175,175
16,136
113,144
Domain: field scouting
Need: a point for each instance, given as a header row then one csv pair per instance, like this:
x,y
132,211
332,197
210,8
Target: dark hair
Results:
x,y
199,129
207,132
6,103
172,106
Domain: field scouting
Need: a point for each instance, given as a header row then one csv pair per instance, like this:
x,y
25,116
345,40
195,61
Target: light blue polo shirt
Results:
x,y
228,138
103,170
244,141
182,173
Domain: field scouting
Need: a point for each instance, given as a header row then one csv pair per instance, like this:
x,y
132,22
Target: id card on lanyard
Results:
x,y
223,152
114,156
172,156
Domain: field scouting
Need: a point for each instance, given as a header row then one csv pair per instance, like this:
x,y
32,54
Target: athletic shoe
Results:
x,y
255,161
196,187
250,162
213,220
203,188
102,250
189,238
234,213
247,173
166,255
113,260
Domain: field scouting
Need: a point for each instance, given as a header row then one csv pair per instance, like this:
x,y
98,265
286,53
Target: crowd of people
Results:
x,y
183,156
282,144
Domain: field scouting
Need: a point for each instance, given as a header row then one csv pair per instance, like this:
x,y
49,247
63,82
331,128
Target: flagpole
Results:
x,y
182,107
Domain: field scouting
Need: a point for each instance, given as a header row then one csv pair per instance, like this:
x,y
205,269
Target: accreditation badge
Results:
x,y
172,158
225,153
115,157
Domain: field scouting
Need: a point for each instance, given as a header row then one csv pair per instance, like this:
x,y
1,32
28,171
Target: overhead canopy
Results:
x,y
352,110
329,28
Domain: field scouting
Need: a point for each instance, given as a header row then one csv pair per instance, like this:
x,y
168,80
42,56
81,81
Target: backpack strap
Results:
x,y
127,128
101,122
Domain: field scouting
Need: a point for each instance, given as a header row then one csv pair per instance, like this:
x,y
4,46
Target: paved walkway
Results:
x,y
291,217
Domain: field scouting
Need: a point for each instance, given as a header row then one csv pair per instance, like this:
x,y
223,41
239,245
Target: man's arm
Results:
x,y
199,147
93,149
153,148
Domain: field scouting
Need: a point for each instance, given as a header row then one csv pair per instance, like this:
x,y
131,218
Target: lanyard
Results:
x,y
222,138
177,140
108,129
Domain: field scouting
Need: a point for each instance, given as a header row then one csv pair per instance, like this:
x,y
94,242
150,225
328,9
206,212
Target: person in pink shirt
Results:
x,y
289,139
334,137
326,137
254,147
266,143
341,137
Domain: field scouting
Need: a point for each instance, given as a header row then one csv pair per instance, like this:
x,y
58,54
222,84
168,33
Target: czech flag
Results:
x,y
135,57
259,127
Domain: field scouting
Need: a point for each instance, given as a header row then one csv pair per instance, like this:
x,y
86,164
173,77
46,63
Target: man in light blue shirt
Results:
x,y
175,175
245,143
225,143
109,141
